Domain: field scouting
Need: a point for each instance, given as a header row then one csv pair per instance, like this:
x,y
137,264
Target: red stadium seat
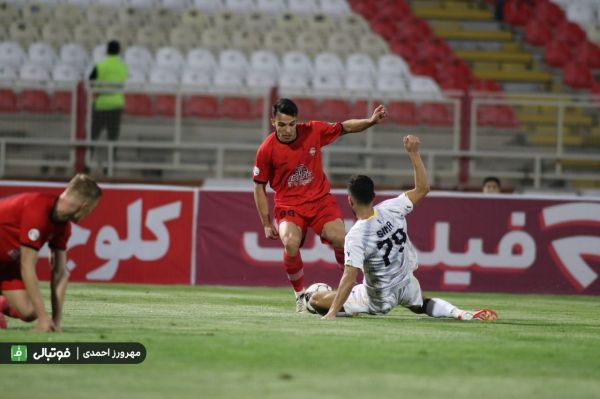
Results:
x,y
422,67
8,101
138,105
164,105
384,29
307,109
435,49
334,110
570,33
497,116
557,53
517,12
236,108
589,54
359,109
403,113
36,101
485,85
257,109
578,75
434,114
200,106
549,12
537,33
404,48
61,102
364,8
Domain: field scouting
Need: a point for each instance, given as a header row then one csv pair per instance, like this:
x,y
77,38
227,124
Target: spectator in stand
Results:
x,y
491,185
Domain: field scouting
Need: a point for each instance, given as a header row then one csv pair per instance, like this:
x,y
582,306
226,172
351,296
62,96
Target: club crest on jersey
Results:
x,y
312,151
33,234
256,171
301,177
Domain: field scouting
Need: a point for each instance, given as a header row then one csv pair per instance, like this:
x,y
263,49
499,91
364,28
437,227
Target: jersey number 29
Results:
x,y
398,238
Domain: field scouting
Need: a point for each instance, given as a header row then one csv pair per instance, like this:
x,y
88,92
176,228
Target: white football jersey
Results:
x,y
380,247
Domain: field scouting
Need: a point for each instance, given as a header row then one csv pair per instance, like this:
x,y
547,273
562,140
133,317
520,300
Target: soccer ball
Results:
x,y
316,287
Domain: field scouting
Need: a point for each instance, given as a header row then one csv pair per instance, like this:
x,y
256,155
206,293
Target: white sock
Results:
x,y
298,294
440,308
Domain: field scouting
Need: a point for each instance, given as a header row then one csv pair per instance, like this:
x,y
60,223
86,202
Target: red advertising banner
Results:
x,y
136,234
470,242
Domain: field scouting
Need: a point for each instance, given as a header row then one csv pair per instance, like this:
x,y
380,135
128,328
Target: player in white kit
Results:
x,y
378,244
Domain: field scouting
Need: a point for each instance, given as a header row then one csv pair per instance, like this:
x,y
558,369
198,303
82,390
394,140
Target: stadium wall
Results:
x,y
466,242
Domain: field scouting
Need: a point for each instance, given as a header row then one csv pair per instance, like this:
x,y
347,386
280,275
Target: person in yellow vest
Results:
x,y
109,74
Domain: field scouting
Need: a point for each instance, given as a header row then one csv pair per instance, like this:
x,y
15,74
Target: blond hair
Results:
x,y
85,187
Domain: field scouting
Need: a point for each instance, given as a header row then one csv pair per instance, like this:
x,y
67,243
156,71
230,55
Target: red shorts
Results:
x,y
310,214
10,277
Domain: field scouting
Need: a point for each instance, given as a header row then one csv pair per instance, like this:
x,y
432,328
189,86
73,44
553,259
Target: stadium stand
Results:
x,y
336,57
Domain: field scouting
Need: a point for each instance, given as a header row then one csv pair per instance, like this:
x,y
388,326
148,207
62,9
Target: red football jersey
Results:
x,y
294,170
26,219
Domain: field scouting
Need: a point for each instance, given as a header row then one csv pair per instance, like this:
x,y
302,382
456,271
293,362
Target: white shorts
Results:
x,y
408,296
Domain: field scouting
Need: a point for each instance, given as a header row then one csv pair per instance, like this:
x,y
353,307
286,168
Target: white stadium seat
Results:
x,y
201,59
240,6
305,7
136,77
65,73
227,80
99,53
327,83
264,60
11,53
423,84
196,78
8,73
271,7
161,76
359,82
177,5
297,62
209,6
169,58
260,79
391,64
138,57
234,61
335,7
391,84
75,55
43,54
292,81
33,72
328,62
360,63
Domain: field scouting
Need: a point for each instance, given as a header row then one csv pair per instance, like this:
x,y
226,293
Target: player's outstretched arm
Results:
x,y
343,292
358,125
262,206
58,285
29,258
411,145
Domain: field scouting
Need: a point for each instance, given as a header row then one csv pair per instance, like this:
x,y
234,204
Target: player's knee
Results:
x,y
28,316
291,245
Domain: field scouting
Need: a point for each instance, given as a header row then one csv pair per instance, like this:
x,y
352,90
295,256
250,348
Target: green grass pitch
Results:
x,y
225,342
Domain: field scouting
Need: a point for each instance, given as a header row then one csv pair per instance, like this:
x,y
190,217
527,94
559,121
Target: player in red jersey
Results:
x,y
27,222
290,161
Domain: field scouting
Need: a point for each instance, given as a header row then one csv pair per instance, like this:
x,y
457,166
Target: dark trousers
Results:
x,y
111,120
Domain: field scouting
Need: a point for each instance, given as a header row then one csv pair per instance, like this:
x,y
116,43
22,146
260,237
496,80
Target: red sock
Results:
x,y
295,270
339,256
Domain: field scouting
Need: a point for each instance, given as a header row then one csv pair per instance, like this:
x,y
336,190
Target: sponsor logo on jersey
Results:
x,y
301,177
33,234
312,151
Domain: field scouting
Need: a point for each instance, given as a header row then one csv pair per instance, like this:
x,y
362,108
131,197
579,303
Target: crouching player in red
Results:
x,y
27,222
290,161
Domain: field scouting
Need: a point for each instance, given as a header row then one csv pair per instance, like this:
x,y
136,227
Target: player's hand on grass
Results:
x,y
411,143
328,316
45,324
379,114
271,232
